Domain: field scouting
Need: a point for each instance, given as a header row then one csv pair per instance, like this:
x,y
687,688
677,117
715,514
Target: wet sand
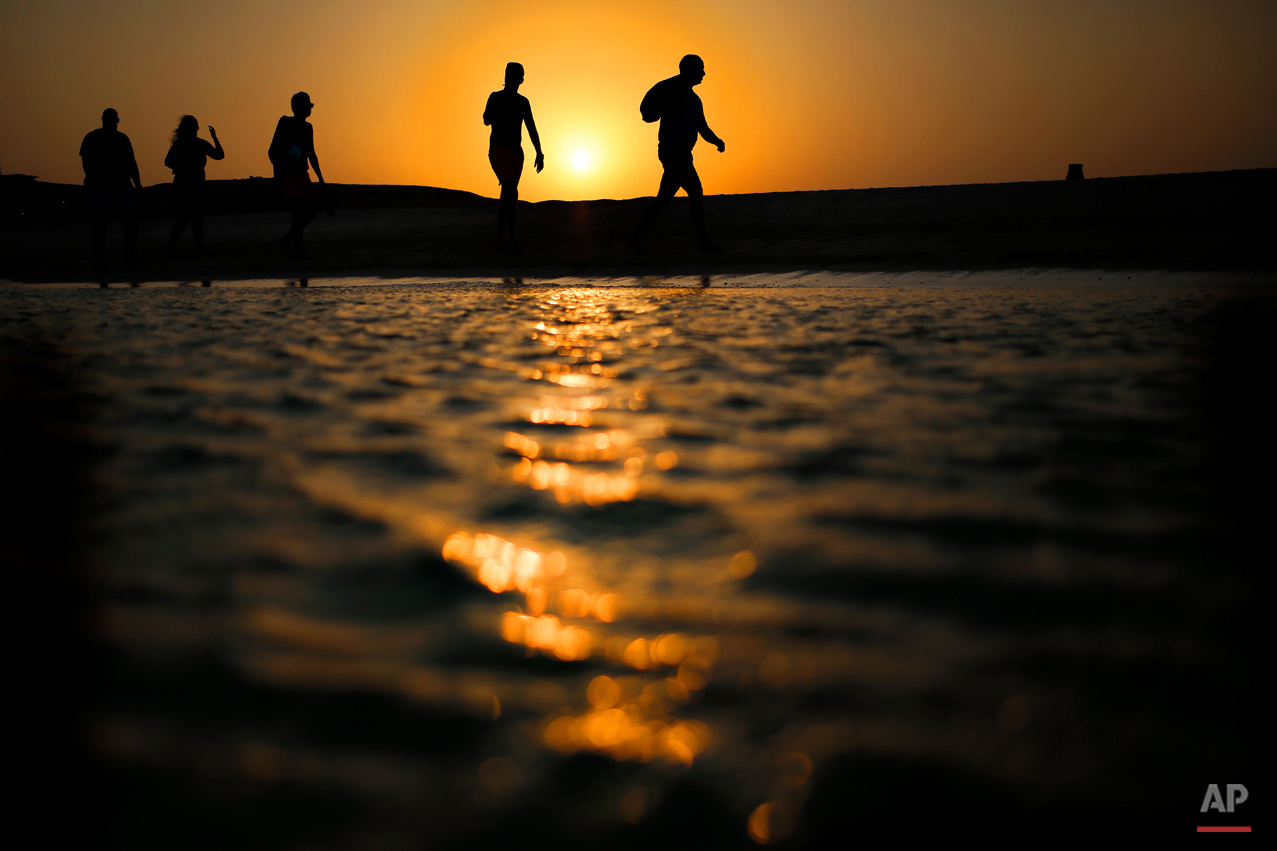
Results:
x,y
1220,221
573,564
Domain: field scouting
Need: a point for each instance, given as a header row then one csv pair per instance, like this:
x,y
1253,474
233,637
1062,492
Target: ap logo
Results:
x,y
1237,794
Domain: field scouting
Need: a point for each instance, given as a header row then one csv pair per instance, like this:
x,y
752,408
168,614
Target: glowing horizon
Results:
x,y
809,95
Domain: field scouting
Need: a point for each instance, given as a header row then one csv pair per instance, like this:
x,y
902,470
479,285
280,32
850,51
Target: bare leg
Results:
x,y
514,218
696,205
508,217
197,229
130,234
669,185
176,233
698,221
99,241
303,214
503,208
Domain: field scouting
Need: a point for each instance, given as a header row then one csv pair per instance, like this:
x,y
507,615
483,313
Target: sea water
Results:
x,y
572,559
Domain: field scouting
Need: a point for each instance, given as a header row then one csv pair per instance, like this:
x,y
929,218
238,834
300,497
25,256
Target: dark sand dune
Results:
x,y
1219,221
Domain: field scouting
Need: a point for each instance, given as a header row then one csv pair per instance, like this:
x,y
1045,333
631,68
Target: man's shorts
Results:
x,y
296,186
104,201
679,169
507,162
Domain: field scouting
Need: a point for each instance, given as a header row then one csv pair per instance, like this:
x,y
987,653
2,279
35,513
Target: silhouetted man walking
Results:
x,y
507,111
682,117
292,153
113,182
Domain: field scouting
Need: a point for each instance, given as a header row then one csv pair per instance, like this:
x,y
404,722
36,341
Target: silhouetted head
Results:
x,y
302,105
110,118
513,74
691,68
187,128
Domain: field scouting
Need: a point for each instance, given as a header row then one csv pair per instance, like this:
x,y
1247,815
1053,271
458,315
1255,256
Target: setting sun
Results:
x,y
656,422
928,91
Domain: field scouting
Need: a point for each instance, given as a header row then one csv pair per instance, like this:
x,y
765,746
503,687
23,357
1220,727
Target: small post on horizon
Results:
x,y
1075,172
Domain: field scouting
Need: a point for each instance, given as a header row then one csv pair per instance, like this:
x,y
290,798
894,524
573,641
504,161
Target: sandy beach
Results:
x,y
1203,222
682,552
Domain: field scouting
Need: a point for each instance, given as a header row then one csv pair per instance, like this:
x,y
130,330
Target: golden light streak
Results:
x,y
929,91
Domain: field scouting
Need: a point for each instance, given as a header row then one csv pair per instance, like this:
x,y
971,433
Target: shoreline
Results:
x,y
1210,222
805,279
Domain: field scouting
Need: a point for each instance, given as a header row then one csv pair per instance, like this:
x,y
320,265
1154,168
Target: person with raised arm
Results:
x,y
187,156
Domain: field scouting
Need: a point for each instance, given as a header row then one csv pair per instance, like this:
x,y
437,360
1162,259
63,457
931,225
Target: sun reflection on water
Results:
x,y
586,447
680,530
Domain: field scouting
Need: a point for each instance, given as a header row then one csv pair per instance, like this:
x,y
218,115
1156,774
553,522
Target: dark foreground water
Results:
x,y
562,565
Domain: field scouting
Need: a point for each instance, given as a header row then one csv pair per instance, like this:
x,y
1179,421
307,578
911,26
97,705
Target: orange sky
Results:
x,y
808,94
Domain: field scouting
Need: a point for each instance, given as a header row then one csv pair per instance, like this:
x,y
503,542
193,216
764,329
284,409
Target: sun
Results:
x,y
581,159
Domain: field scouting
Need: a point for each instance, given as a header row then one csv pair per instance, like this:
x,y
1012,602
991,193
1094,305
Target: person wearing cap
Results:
x,y
112,182
682,117
292,153
506,113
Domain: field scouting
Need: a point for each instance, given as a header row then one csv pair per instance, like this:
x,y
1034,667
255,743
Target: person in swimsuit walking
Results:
x,y
682,117
506,112
292,153
187,156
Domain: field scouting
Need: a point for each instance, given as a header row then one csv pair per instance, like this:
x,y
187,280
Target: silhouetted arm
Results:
x,y
487,111
217,152
313,157
708,134
325,203
536,140
135,176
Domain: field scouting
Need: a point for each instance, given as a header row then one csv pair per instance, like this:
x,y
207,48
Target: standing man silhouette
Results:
x,y
506,112
291,150
113,182
682,117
